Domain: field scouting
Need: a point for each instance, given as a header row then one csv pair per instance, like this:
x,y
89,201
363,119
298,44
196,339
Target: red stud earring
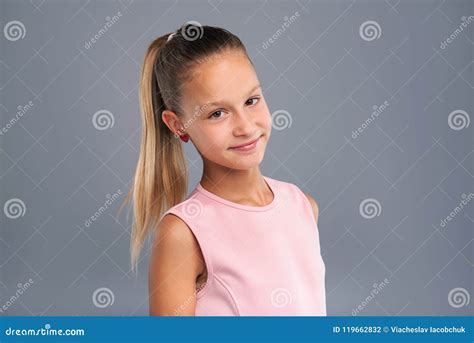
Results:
x,y
184,137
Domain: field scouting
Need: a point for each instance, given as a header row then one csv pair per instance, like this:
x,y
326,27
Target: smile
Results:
x,y
247,146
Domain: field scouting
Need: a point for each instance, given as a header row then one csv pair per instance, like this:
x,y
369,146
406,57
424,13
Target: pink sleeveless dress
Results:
x,y
261,261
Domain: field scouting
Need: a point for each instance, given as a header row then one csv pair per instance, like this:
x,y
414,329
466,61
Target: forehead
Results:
x,y
223,77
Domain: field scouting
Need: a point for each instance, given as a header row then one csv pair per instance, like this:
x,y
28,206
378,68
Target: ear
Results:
x,y
314,205
171,120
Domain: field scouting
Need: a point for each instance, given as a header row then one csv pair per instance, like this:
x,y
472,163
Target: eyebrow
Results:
x,y
215,103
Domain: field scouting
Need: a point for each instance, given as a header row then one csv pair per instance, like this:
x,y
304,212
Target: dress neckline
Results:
x,y
269,206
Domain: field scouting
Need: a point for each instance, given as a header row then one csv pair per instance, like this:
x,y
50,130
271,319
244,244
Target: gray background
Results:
x,y
327,78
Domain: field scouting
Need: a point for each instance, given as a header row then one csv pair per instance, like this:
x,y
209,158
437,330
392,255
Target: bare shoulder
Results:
x,y
175,239
314,205
175,259
173,230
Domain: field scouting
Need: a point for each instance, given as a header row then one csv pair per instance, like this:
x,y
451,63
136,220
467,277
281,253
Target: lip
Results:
x,y
246,146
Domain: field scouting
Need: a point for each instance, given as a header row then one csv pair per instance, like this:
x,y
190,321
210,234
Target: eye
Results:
x,y
254,98
212,116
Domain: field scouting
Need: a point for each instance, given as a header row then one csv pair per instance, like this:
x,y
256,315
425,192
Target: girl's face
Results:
x,y
224,108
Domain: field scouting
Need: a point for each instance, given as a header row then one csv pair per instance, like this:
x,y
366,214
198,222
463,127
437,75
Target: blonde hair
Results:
x,y
161,176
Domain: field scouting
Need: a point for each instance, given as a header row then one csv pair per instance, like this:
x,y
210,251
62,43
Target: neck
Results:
x,y
241,186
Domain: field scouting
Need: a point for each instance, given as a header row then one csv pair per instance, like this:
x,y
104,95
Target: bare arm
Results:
x,y
175,263
314,205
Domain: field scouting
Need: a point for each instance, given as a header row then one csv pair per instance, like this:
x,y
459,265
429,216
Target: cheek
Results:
x,y
208,139
266,121
265,118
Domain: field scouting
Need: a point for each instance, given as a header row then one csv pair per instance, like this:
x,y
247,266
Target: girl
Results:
x,y
241,243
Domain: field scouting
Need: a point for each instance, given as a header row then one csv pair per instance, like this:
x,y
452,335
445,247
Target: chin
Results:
x,y
244,162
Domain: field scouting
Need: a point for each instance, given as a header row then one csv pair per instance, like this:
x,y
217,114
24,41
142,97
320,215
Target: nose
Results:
x,y
243,123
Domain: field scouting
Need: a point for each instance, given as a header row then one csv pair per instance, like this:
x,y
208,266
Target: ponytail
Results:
x,y
161,176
